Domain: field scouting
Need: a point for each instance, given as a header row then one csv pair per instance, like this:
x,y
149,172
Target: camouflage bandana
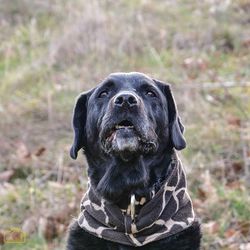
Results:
x,y
170,211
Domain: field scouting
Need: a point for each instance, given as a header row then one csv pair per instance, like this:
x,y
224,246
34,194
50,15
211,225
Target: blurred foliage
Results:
x,y
52,50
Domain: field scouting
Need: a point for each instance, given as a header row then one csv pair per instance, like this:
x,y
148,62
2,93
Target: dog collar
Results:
x,y
170,211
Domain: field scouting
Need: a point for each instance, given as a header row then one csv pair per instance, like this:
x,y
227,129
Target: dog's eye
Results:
x,y
103,94
151,93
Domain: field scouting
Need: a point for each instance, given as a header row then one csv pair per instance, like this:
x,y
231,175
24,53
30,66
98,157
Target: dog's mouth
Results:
x,y
125,124
127,139
122,138
121,128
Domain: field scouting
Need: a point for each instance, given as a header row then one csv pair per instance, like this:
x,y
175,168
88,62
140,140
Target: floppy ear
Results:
x,y
176,128
79,123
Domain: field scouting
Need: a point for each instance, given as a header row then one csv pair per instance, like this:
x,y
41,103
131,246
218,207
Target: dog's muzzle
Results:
x,y
126,131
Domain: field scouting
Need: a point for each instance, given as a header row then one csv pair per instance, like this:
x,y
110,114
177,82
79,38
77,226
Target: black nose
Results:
x,y
126,99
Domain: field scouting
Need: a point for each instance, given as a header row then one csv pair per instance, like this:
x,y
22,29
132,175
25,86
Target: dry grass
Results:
x,y
52,50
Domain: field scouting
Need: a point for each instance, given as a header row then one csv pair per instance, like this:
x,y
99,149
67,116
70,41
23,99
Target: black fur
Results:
x,y
128,126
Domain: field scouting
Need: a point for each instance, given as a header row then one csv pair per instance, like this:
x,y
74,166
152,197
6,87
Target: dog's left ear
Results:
x,y
175,125
79,123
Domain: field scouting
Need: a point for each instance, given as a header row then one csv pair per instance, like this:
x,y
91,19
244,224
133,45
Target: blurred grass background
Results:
x,y
52,50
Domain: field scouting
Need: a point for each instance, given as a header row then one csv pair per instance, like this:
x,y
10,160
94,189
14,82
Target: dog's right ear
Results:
x,y
176,126
79,123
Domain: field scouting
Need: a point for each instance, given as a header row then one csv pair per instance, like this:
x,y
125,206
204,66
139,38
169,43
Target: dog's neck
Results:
x,y
113,178
169,212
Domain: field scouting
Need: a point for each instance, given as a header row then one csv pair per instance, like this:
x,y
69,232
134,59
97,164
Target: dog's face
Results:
x,y
126,117
126,111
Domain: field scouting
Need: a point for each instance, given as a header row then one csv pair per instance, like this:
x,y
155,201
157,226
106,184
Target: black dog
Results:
x,y
129,129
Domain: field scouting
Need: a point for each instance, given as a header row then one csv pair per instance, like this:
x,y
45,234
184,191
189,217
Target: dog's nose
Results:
x,y
126,98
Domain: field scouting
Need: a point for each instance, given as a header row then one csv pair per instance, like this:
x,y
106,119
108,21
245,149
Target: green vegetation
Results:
x,y
50,51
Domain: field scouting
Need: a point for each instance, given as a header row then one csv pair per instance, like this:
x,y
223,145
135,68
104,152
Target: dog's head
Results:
x,y
125,125
127,115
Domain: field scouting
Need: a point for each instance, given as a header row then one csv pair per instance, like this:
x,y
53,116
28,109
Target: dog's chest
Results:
x,y
170,211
